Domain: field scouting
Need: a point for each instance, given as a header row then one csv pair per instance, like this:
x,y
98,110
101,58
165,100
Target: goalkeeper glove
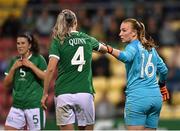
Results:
x,y
109,49
164,91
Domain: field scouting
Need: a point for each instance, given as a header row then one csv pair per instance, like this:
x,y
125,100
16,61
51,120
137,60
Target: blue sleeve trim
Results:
x,y
122,57
163,76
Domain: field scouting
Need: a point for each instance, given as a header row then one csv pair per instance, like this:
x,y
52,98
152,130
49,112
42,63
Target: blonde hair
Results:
x,y
66,20
146,40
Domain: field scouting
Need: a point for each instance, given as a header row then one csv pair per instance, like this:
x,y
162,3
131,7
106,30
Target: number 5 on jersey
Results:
x,y
78,58
22,73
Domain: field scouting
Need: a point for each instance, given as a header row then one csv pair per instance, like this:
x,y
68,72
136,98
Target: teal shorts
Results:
x,y
143,112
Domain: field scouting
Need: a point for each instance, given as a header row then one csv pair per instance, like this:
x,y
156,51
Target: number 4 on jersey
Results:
x,y
78,58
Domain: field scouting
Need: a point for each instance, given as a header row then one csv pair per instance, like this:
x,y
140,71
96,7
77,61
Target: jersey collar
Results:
x,y
74,31
29,56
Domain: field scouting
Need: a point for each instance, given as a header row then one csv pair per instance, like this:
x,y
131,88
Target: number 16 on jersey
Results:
x,y
148,65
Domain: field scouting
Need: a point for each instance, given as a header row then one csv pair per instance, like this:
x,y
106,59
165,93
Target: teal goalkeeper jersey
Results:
x,y
74,66
27,87
142,66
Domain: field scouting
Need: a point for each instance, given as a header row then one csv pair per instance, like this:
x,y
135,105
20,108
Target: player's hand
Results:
x,y
17,64
164,91
43,101
106,48
27,63
109,49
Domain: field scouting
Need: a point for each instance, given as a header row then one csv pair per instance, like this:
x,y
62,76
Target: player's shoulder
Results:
x,y
14,58
82,34
38,56
154,51
133,45
55,40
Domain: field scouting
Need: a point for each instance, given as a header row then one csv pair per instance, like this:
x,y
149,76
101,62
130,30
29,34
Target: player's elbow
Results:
x,y
164,71
43,75
6,82
125,57
50,70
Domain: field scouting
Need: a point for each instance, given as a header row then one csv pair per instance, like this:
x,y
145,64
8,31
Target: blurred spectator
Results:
x,y
5,102
102,18
101,66
34,2
140,12
167,34
44,23
44,46
97,1
70,1
84,24
28,20
178,35
104,108
121,104
97,31
119,14
158,13
112,34
152,28
173,81
11,26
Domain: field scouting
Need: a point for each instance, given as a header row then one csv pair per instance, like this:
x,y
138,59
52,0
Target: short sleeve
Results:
x,y
42,63
11,62
54,49
128,54
95,44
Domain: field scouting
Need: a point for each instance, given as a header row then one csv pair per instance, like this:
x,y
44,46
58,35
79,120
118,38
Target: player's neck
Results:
x,y
73,29
134,38
27,55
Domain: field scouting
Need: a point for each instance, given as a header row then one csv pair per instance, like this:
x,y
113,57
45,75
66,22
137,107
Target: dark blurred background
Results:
x,y
101,19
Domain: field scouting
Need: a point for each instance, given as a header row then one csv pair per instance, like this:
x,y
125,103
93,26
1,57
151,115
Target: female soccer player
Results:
x,y
142,62
26,74
71,51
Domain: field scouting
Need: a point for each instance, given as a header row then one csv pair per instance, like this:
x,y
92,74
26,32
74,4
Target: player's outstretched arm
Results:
x,y
104,48
114,52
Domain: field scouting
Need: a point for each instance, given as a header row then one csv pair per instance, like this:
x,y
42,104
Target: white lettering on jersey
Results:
x,y
77,41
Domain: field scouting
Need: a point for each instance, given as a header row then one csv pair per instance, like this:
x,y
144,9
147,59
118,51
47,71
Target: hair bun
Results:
x,y
68,18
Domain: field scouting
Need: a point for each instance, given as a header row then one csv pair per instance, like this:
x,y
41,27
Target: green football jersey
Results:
x,y
74,66
27,87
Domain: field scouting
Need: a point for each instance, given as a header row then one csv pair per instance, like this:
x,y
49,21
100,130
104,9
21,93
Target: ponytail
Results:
x,y
65,22
146,40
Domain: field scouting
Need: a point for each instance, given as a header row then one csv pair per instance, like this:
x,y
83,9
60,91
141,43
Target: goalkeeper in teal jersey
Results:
x,y
26,74
142,62
71,51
